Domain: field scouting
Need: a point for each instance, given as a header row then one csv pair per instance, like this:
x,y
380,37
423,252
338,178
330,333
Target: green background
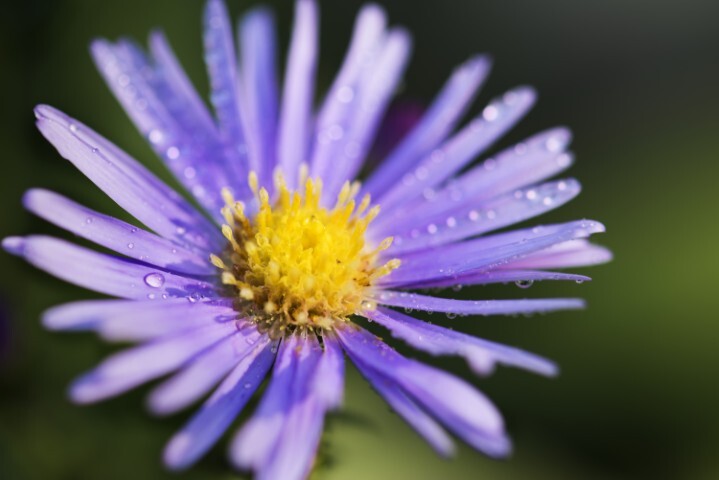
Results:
x,y
638,395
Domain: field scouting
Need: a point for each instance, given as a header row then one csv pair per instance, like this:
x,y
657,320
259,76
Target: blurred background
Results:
x,y
638,395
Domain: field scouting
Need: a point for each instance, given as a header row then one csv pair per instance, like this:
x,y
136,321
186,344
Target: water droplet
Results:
x,y
154,280
580,281
524,283
273,349
151,296
173,153
451,222
180,230
457,287
164,296
130,246
189,173
88,220
155,136
554,144
490,113
451,315
431,228
473,215
520,149
345,94
73,128
335,132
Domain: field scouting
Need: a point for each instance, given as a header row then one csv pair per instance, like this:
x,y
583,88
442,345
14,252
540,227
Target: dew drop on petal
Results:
x,y
524,283
154,280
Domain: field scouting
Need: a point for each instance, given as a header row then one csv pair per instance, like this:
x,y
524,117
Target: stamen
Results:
x,y
295,264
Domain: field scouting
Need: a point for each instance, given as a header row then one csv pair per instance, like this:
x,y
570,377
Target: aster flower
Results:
x,y
287,249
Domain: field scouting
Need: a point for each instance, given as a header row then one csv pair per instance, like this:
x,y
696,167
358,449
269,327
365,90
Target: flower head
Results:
x,y
288,249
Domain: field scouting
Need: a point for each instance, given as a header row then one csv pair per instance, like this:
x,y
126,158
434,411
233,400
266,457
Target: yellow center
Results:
x,y
296,264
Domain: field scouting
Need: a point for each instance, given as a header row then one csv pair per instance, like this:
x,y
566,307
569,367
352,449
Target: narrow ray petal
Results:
x,y
341,100
221,61
482,355
199,377
229,161
532,160
135,366
374,92
417,232
297,444
128,183
104,273
89,314
509,275
415,301
257,45
578,253
115,234
485,254
218,412
188,146
461,408
408,409
496,119
329,380
295,128
441,117
253,443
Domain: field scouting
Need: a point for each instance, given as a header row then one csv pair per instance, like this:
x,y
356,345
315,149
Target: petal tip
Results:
x,y
14,245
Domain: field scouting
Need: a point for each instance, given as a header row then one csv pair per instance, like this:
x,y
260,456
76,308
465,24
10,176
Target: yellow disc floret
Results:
x,y
295,264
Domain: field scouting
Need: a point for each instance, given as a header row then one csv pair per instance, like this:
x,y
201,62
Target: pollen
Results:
x,y
295,264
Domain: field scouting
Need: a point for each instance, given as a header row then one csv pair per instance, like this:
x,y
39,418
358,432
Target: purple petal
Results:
x,y
104,273
440,119
216,414
221,61
415,301
496,119
497,276
329,379
484,254
533,160
298,93
136,319
172,72
130,368
295,451
417,418
253,443
260,96
205,371
416,232
341,100
374,93
115,234
451,400
188,146
482,355
157,320
128,183
229,161
578,253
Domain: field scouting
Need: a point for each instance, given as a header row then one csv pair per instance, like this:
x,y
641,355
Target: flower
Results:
x,y
285,251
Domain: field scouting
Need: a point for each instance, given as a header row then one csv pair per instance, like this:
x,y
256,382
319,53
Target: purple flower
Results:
x,y
286,250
